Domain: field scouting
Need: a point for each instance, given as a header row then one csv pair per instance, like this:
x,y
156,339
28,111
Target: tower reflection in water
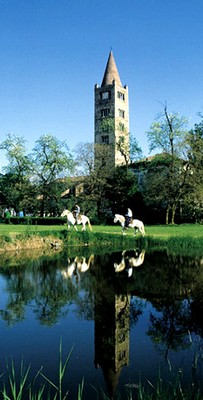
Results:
x,y
112,314
112,338
110,273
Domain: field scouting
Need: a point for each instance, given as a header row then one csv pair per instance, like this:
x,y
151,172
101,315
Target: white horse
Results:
x,y
76,267
71,220
135,223
129,261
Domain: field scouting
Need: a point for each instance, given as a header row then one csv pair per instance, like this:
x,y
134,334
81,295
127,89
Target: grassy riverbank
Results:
x,y
184,238
160,231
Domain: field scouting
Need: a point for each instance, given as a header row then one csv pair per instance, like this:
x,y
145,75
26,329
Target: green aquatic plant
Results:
x,y
17,386
61,373
22,387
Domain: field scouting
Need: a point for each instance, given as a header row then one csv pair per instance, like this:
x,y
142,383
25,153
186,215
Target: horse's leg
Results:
x,y
136,230
141,229
83,227
123,228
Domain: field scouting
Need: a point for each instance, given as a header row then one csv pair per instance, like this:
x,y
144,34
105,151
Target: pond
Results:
x,y
124,318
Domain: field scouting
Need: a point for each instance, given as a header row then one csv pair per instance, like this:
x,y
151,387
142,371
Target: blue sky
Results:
x,y
53,52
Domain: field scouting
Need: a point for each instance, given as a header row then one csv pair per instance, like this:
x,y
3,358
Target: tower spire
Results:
x,y
111,104
111,73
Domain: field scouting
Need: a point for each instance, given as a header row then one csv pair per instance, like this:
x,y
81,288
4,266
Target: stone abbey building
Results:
x,y
111,103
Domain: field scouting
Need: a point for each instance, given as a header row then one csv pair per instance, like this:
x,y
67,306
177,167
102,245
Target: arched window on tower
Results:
x,y
121,113
105,112
121,127
105,95
105,139
121,95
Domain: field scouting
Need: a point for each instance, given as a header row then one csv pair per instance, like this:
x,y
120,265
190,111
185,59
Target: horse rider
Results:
x,y
128,217
76,212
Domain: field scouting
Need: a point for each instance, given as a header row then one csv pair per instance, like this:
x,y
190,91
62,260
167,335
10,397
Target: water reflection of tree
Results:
x,y
197,302
169,329
136,310
165,281
20,292
177,299
53,299
40,288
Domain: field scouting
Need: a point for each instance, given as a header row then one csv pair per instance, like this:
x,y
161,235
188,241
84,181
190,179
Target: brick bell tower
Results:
x,y
111,105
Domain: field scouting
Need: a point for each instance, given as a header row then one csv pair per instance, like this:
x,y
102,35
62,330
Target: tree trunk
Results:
x,y
173,214
167,214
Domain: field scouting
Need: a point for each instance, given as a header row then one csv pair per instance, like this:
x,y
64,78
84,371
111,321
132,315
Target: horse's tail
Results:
x,y
89,224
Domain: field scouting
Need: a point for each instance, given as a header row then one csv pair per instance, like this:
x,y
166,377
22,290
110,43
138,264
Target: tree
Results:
x,y
169,181
130,153
15,148
121,189
156,187
94,196
51,165
168,133
135,150
195,157
105,187
84,160
15,184
123,146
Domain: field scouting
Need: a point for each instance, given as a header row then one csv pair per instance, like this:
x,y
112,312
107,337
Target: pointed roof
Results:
x,y
111,72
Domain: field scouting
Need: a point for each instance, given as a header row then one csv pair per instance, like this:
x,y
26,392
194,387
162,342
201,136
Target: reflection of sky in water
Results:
x,y
3,292
38,343
144,359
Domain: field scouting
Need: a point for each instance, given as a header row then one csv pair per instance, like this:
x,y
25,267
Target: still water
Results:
x,y
125,317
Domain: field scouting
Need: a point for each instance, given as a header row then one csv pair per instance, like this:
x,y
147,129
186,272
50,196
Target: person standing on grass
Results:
x,y
7,216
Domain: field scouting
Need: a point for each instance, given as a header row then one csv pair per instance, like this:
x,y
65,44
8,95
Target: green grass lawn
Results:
x,y
164,231
156,231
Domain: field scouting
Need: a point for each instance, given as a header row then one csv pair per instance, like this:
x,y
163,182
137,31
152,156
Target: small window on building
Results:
x,y
121,113
121,338
105,139
121,355
121,96
105,112
105,95
121,127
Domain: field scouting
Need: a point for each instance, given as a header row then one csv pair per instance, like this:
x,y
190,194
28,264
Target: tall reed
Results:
x,y
21,388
